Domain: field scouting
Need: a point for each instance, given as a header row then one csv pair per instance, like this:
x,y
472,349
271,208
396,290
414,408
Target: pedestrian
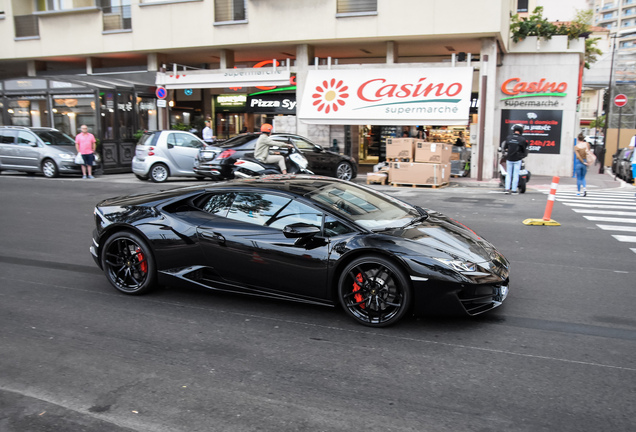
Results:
x,y
421,133
86,145
515,148
208,133
581,151
460,141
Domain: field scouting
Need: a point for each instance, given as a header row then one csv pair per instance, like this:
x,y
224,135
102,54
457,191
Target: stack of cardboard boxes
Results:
x,y
416,162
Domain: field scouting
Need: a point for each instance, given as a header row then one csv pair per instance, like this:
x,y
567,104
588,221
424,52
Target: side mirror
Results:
x,y
170,146
318,149
300,229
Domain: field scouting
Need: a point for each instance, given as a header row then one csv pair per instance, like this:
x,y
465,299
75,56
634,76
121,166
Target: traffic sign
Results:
x,y
161,92
620,100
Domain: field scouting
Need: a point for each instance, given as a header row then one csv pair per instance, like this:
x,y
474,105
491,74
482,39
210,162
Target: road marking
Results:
x,y
626,239
617,228
613,213
609,219
599,206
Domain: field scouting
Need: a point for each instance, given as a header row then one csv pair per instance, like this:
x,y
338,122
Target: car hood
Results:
x,y
63,149
442,237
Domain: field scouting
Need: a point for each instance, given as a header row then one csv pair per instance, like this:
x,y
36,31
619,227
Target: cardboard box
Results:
x,y
430,152
378,177
417,173
400,148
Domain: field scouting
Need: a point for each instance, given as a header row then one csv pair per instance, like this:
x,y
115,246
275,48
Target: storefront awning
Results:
x,y
224,79
435,96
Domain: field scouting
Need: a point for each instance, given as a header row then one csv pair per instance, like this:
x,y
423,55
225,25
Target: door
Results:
x,y
317,157
28,150
248,247
182,150
8,148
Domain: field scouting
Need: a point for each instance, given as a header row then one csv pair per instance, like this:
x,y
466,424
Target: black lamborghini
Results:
x,y
304,238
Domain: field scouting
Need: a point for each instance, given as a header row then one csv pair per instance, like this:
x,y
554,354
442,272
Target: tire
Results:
x,y
374,291
159,173
344,171
49,168
522,185
128,263
140,177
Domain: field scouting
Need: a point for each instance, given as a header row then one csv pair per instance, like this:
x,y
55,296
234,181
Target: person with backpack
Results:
x,y
515,148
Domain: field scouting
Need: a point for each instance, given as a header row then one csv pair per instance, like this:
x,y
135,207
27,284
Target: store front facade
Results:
x,y
114,111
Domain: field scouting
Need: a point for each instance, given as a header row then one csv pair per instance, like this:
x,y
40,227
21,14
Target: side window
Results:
x,y
26,138
186,140
295,212
172,139
334,227
303,145
256,208
217,204
6,137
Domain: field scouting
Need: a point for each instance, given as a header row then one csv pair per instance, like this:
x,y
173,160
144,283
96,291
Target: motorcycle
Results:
x,y
524,174
250,167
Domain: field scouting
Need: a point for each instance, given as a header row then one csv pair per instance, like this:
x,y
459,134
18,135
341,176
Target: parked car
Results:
x,y
38,150
594,140
311,239
217,161
165,153
623,164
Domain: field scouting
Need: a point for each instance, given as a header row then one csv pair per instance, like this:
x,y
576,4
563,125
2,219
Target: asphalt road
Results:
x,y
75,355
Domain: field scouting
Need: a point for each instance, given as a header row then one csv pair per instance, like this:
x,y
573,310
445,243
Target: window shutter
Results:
x,y
229,10
357,6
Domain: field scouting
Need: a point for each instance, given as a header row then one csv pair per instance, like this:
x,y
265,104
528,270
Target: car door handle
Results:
x,y
213,236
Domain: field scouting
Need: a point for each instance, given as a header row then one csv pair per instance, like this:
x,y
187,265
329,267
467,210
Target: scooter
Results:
x,y
524,174
250,167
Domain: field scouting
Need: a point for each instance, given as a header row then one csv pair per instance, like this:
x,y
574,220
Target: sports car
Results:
x,y
311,239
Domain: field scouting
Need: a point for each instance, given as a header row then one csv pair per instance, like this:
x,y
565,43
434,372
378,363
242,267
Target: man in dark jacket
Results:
x,y
515,149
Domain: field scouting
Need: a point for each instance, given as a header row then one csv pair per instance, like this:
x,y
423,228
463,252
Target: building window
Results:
x,y
116,15
608,15
357,7
229,11
628,44
522,6
26,26
629,11
62,5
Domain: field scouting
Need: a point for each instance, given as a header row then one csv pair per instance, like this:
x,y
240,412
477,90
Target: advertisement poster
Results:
x,y
542,128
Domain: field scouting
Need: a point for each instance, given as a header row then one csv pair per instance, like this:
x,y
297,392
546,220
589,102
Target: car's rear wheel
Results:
x,y
344,171
374,291
49,168
159,173
128,263
141,177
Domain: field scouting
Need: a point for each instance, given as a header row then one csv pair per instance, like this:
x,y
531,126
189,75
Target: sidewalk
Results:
x,y
540,182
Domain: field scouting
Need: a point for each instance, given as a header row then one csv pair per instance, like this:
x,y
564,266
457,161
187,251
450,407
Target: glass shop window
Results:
x,y
72,111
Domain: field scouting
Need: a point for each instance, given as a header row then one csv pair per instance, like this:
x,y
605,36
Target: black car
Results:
x,y
305,238
217,162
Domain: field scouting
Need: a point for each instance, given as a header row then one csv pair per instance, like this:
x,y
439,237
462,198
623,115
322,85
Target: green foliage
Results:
x,y
537,25
137,135
180,126
600,124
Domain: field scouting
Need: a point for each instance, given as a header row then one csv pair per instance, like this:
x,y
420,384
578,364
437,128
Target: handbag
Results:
x,y
590,158
79,159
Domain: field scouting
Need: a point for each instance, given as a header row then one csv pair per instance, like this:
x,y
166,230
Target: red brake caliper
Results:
x,y
140,257
356,288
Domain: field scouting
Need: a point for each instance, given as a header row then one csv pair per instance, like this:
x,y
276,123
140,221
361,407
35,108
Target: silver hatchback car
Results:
x,y
38,149
161,154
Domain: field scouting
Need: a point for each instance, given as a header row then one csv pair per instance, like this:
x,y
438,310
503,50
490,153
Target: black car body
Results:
x,y
305,238
217,161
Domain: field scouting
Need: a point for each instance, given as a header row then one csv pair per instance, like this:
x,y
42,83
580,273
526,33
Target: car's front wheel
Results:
x,y
49,169
159,173
374,291
344,171
128,263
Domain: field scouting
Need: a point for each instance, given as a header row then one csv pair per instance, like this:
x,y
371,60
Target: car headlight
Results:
x,y
458,265
66,156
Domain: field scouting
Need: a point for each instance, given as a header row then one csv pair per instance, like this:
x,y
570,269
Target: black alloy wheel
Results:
x,y
374,291
344,171
128,263
49,169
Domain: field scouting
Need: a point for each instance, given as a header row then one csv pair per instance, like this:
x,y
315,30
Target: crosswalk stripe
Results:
x,y
599,206
622,238
605,212
617,228
579,200
610,219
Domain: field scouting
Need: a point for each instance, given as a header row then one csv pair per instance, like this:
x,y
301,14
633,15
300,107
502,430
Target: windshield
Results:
x,y
53,137
365,207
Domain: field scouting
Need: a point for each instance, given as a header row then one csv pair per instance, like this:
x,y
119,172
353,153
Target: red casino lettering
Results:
x,y
374,90
514,86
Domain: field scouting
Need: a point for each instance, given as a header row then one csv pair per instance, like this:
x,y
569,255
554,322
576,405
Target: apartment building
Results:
x,y
346,73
